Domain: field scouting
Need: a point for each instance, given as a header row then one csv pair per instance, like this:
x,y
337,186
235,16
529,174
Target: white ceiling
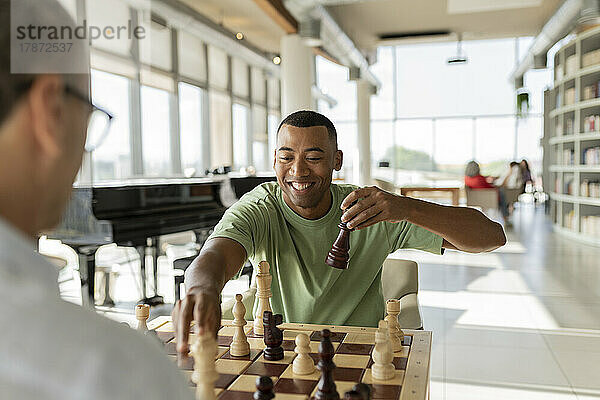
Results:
x,y
242,16
365,20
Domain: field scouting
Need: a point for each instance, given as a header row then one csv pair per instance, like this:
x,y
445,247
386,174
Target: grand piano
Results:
x,y
136,213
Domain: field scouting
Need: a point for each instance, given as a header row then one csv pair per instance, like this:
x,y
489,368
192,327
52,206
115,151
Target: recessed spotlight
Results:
x,y
239,36
276,60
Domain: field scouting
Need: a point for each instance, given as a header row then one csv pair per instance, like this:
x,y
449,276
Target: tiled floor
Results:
x,y
522,322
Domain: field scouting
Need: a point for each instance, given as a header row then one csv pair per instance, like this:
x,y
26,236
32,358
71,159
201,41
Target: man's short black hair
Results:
x,y
306,119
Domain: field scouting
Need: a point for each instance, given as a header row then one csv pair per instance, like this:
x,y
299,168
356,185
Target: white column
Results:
x,y
364,90
296,75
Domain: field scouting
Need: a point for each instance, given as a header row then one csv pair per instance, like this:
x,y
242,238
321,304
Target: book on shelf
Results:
x,y
571,64
590,58
591,156
590,225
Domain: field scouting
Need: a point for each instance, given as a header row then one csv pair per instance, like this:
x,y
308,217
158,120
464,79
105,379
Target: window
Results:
x,y
453,145
259,91
494,143
240,136
239,78
273,124
259,138
218,70
190,127
333,80
110,13
382,105
155,131
220,129
192,63
414,148
112,160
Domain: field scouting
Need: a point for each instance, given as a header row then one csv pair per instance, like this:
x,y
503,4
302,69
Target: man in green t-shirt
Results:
x,y
293,223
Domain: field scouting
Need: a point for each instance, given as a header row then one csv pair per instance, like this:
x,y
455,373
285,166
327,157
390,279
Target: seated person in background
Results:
x,y
474,179
293,222
51,349
525,174
512,177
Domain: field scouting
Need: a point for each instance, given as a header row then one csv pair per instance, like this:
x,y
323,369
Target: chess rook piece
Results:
x,y
326,389
392,307
239,346
264,389
303,364
204,351
273,336
142,312
363,389
263,293
339,256
383,369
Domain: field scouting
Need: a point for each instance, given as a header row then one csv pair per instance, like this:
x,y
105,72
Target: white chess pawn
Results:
x,y
239,346
383,369
303,364
263,294
396,335
204,350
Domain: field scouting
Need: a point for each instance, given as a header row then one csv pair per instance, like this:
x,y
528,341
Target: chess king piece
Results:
x,y
392,307
339,255
264,389
273,336
239,346
204,350
326,389
303,364
263,293
383,369
142,312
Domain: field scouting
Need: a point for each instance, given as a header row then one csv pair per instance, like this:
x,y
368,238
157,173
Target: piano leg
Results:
x,y
87,273
154,300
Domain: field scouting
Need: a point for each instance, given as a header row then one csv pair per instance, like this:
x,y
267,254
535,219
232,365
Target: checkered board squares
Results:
x,y
353,347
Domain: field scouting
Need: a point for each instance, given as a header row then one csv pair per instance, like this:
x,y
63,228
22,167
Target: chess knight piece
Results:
x,y
339,256
273,336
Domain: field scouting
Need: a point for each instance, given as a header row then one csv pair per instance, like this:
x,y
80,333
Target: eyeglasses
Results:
x,y
99,121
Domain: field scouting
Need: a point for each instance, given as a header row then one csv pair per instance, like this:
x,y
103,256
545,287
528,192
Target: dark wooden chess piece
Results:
x,y
339,255
363,389
326,389
353,395
264,389
273,336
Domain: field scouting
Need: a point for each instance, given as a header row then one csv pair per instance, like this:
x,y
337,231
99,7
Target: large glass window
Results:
x,y
220,128
333,80
494,143
156,131
190,127
112,160
240,136
218,70
259,138
192,62
453,145
273,124
382,105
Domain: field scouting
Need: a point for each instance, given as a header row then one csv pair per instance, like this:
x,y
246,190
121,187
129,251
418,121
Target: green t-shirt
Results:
x,y
305,289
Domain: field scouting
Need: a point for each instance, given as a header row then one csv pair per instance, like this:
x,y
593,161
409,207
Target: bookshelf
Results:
x,y
572,138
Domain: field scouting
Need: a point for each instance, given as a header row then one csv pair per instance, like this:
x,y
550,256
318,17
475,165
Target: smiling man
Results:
x,y
292,224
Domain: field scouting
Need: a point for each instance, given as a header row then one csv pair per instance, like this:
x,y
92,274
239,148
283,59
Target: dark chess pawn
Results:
x,y
264,389
273,336
326,389
339,255
353,395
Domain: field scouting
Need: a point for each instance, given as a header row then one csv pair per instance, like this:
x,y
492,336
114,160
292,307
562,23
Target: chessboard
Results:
x,y
353,347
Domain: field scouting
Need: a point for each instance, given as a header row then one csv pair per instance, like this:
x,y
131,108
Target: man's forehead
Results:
x,y
313,134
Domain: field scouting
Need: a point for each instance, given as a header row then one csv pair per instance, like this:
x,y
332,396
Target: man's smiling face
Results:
x,y
304,162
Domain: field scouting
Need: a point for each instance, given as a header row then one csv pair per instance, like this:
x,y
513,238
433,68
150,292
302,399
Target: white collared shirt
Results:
x,y
52,349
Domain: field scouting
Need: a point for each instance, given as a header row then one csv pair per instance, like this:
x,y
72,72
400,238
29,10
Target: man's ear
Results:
x,y
44,100
274,157
339,158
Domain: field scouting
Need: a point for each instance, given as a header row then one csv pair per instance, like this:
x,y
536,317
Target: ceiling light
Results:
x,y
459,58
276,60
239,36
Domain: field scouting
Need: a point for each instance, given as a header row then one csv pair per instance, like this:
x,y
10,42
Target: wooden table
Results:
x,y
453,190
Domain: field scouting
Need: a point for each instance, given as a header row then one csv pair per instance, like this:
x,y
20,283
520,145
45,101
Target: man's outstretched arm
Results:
x,y
219,260
462,228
